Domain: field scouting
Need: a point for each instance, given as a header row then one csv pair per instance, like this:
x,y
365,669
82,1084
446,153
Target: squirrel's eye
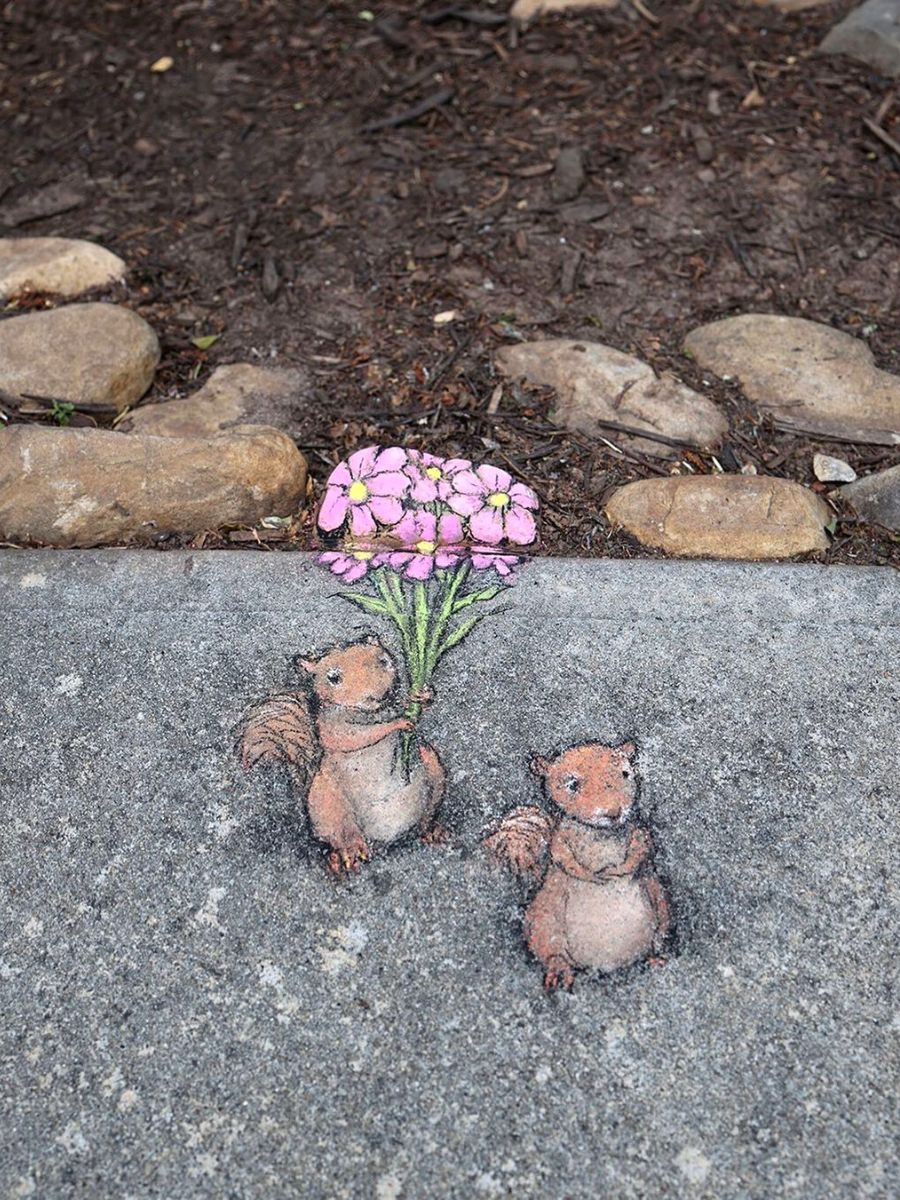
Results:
x,y
334,675
385,661
626,771
572,784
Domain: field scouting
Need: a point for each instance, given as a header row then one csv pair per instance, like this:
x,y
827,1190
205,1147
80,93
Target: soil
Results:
x,y
263,189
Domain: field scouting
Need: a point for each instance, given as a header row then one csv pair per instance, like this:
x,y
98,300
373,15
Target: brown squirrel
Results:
x,y
333,739
600,905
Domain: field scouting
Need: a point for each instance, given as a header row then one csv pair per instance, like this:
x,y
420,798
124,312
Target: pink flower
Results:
x,y
432,542
432,477
350,565
497,507
370,486
483,559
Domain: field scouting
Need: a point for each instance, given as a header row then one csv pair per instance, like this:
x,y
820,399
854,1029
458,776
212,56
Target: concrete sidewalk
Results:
x,y
192,1007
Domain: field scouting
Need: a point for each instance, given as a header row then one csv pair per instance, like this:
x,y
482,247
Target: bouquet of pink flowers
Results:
x,y
432,538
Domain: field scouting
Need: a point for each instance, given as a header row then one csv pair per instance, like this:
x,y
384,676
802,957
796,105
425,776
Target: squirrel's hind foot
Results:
x,y
347,859
559,974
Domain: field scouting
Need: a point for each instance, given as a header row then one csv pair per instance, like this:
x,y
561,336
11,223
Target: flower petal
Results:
x,y
494,479
424,490
407,529
520,526
465,505
487,526
453,465
361,520
386,509
520,493
420,567
427,523
450,529
333,511
355,571
362,461
392,458
467,483
388,483
340,476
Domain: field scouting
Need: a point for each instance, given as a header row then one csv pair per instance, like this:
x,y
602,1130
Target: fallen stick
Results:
x,y
411,114
882,135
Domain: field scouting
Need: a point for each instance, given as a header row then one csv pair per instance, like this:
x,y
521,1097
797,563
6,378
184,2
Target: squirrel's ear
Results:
x,y
372,640
305,664
540,766
628,749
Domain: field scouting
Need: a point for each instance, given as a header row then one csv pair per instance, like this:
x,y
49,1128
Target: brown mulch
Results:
x,y
315,182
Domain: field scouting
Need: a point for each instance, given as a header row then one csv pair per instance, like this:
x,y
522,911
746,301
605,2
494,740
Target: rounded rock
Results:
x,y
95,356
722,516
811,377
62,266
92,487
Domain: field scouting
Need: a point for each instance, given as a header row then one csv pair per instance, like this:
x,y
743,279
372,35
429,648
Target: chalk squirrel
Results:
x,y
346,757
601,904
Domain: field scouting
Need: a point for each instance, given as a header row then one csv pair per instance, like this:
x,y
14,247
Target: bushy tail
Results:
x,y
280,729
521,840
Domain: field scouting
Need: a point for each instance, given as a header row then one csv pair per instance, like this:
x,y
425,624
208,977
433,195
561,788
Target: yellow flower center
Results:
x,y
425,547
358,491
434,472
498,499
363,555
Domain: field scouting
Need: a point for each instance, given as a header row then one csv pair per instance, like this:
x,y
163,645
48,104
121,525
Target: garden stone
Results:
x,y
193,1009
527,10
236,394
789,6
876,498
95,356
722,516
596,383
811,377
91,487
62,266
832,470
870,34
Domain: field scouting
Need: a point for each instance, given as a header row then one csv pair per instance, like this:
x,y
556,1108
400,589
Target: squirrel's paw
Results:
x,y
422,696
345,858
559,974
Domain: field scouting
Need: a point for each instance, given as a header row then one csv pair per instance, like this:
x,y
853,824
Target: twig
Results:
x,y
411,114
885,437
634,431
645,12
447,362
473,16
882,135
739,254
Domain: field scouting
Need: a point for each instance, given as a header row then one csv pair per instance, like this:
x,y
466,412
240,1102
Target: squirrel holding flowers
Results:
x,y
347,756
601,905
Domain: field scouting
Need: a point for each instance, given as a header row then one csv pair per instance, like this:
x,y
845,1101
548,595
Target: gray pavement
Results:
x,y
192,1008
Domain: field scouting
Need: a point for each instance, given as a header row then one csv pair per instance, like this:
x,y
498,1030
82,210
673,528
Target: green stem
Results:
x,y
444,615
396,611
